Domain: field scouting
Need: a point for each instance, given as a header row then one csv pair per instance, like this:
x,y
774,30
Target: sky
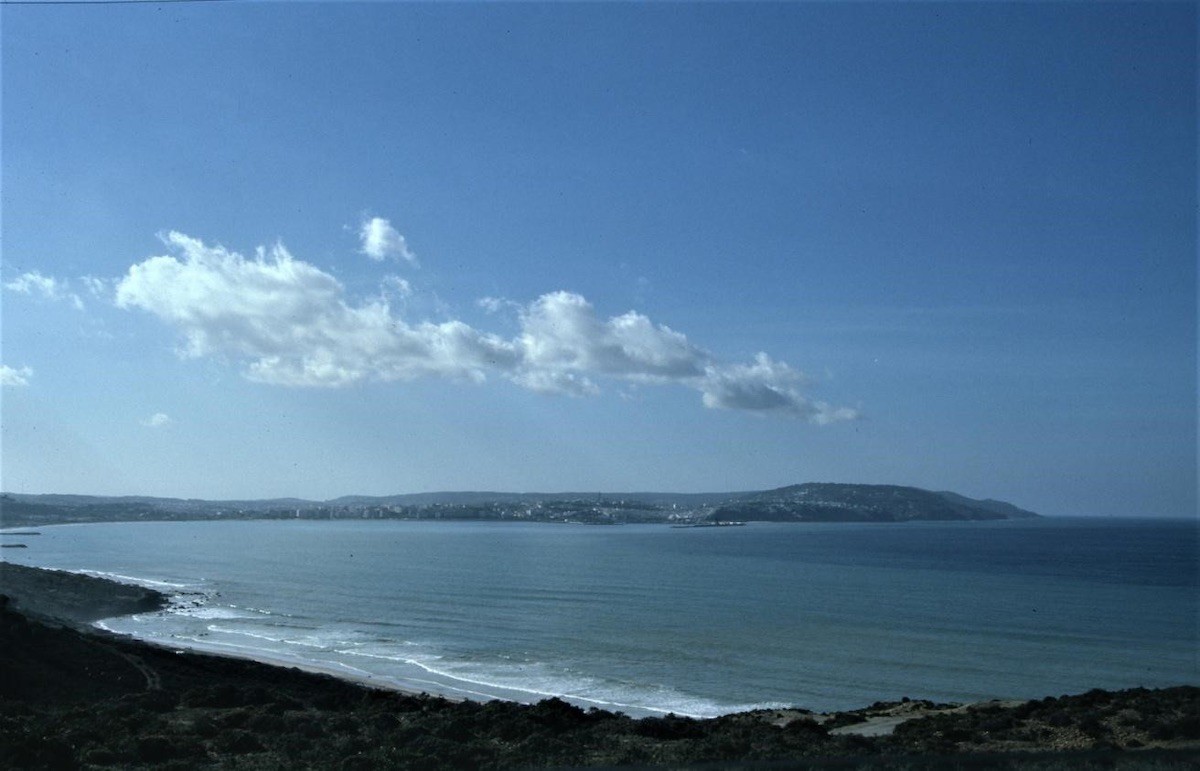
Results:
x,y
318,249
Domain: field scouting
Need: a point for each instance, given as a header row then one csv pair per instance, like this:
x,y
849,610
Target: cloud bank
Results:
x,y
290,323
14,377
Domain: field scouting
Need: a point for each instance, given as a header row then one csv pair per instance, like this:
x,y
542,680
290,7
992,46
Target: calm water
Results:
x,y
649,619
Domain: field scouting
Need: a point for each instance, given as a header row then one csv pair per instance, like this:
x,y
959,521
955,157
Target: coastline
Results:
x,y
935,636
151,706
82,602
74,599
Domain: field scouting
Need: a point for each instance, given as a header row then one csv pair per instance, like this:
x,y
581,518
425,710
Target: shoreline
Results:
x,y
95,586
148,705
365,680
129,596
75,597
84,599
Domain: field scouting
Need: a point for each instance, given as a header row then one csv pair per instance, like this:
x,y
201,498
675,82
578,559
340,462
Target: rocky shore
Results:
x,y
73,697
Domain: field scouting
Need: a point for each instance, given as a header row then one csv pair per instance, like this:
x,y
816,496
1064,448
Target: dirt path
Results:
x,y
876,726
883,722
153,681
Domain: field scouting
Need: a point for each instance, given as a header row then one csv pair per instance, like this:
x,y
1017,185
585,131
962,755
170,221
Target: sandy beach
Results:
x,y
73,696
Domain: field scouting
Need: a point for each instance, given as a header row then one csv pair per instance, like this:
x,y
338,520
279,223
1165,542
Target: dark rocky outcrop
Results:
x,y
72,597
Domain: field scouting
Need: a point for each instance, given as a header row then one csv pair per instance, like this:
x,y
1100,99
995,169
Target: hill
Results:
x,y
812,502
826,502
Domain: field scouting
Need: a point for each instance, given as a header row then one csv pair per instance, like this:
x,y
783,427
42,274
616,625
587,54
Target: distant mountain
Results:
x,y
17,509
165,504
827,502
479,498
813,502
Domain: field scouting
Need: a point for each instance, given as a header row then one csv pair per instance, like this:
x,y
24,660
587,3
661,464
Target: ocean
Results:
x,y
649,619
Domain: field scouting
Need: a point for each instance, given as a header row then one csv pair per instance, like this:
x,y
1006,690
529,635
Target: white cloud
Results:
x,y
766,386
496,304
394,286
98,287
14,377
560,333
290,323
380,241
34,283
553,382
157,420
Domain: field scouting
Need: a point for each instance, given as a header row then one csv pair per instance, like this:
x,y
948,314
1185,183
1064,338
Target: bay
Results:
x,y
649,619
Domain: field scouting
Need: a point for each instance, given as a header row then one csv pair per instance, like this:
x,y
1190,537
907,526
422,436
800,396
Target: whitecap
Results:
x,y
208,612
149,583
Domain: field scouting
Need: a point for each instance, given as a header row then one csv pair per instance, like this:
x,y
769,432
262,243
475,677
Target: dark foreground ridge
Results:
x,y
75,698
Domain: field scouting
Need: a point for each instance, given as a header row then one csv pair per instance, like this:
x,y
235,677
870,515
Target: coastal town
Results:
x,y
810,502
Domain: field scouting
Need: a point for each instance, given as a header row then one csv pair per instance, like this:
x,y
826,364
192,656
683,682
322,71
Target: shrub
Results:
x,y
556,713
1187,727
156,749
1059,719
237,742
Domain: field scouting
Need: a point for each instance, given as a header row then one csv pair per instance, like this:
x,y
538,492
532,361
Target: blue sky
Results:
x,y
683,247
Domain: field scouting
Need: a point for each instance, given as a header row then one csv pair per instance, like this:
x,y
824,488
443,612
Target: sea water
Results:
x,y
650,619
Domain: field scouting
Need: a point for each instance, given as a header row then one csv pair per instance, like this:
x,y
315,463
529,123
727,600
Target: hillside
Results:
x,y
826,502
812,502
